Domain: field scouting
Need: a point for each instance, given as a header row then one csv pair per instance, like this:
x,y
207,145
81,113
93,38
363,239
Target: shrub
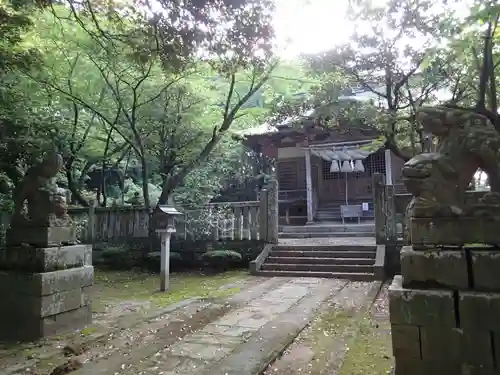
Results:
x,y
221,260
154,259
117,257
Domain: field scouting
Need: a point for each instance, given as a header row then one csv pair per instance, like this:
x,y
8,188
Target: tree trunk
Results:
x,y
75,192
145,182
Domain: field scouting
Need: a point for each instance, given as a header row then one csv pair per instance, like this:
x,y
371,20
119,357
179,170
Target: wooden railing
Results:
x,y
250,220
234,220
290,195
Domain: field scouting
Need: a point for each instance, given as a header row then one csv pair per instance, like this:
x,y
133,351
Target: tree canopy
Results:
x,y
141,98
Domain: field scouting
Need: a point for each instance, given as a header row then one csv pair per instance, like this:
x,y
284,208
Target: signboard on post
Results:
x,y
163,221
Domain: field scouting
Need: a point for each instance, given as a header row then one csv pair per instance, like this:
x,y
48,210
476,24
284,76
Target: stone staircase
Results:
x,y
353,262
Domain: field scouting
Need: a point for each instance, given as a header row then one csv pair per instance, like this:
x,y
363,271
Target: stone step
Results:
x,y
341,268
305,246
333,275
320,260
336,217
318,253
319,228
326,234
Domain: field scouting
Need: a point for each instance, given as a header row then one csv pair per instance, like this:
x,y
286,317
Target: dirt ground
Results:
x,y
125,306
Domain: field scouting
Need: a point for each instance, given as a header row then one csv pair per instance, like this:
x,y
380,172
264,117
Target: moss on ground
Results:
x,y
371,351
325,331
111,287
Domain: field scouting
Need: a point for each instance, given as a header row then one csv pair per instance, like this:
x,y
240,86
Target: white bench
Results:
x,y
351,211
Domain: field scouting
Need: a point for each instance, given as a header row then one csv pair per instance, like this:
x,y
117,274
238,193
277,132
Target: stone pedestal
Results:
x,y
44,291
41,236
445,305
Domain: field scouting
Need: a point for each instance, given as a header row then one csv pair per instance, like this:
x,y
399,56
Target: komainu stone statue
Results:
x,y
40,205
37,199
438,180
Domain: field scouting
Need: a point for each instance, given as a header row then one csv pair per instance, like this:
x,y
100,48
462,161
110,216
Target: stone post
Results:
x,y
272,212
390,216
165,260
309,196
263,215
378,207
388,167
91,222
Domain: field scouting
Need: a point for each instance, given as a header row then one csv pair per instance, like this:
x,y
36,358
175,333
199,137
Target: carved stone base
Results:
x,y
454,231
467,268
31,259
41,236
44,291
434,268
37,305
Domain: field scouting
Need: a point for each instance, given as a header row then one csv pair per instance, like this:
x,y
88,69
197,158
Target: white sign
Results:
x,y
365,206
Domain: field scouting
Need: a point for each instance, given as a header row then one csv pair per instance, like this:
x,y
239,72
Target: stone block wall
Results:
x,y
445,311
45,291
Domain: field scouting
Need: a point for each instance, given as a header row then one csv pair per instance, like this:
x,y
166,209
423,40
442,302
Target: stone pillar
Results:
x,y
444,307
378,191
263,214
272,211
165,261
388,167
44,291
309,195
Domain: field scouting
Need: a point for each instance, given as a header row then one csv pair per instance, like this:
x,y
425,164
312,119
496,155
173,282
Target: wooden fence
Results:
x,y
234,220
389,209
249,220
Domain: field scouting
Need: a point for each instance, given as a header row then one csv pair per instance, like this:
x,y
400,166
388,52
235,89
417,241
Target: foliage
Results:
x,y
385,59
200,222
143,102
112,93
154,259
117,257
221,260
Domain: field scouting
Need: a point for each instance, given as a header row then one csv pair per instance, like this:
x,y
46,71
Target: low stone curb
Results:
x,y
257,263
255,355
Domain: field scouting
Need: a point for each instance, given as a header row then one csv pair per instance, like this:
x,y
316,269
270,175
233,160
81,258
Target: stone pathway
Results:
x,y
321,347
237,335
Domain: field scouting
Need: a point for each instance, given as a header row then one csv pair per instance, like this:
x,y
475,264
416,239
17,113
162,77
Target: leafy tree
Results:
x,y
152,107
20,139
476,50
392,59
